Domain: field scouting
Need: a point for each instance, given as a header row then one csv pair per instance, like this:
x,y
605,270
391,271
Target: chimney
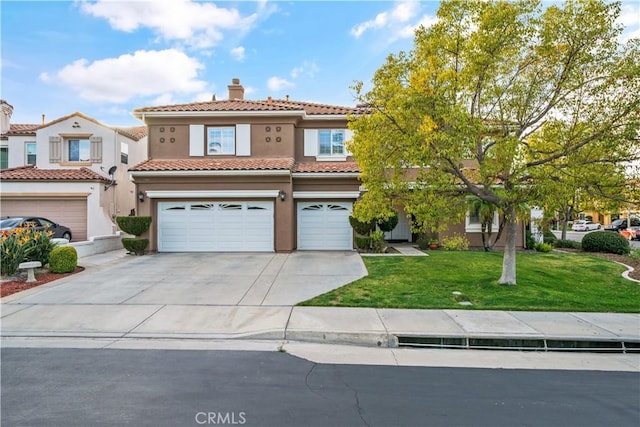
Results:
x,y
7,111
269,100
236,91
42,118
287,97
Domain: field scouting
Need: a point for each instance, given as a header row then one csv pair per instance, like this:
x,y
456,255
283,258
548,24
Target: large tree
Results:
x,y
457,116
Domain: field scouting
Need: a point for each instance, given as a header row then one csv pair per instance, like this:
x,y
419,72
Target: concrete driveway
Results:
x,y
247,279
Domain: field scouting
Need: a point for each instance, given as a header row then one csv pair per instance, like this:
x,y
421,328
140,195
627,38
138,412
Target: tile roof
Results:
x,y
214,164
133,132
21,129
31,173
325,167
237,105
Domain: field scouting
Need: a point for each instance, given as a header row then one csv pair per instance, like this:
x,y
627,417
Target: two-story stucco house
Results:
x,y
255,175
72,170
241,175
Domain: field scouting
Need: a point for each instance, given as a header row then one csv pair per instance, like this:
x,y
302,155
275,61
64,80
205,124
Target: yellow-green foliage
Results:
x,y
457,242
63,259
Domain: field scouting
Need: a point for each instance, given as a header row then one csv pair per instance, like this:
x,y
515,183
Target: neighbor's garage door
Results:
x,y
71,213
324,226
215,226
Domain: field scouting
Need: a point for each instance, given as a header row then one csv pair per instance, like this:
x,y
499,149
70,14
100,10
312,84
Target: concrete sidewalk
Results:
x,y
25,316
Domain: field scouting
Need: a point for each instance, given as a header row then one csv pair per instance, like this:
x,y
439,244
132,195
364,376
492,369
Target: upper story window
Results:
x,y
30,153
4,157
78,150
221,140
75,149
327,144
331,142
124,153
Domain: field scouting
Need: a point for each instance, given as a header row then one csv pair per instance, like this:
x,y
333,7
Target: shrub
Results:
x,y
39,247
423,241
388,224
362,242
606,241
560,243
135,245
635,253
12,251
549,237
530,241
136,225
363,228
457,242
543,247
63,259
377,241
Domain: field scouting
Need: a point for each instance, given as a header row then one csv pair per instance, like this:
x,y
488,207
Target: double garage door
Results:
x,y
193,226
215,227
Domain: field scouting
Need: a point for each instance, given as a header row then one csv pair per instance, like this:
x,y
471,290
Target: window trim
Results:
x,y
26,152
332,132
6,149
67,147
476,227
208,135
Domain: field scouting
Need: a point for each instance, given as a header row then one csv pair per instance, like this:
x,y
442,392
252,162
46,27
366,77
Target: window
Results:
x,y
472,223
221,140
4,157
124,153
331,142
30,153
78,150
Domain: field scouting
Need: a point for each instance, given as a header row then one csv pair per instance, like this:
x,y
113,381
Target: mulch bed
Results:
x,y
18,282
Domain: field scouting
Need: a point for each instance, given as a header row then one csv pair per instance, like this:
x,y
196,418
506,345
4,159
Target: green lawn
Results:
x,y
546,282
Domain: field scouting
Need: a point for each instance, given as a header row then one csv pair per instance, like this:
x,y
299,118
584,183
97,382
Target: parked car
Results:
x,y
39,223
621,224
582,225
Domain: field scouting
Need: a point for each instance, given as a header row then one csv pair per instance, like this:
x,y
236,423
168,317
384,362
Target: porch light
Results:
x,y
140,196
282,195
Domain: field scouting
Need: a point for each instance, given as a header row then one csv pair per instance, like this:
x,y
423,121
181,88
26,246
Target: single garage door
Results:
x,y
71,213
324,226
215,227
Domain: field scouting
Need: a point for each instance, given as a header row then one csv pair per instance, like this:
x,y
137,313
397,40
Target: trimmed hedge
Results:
x,y
388,224
571,244
63,259
362,242
135,245
606,241
136,225
363,228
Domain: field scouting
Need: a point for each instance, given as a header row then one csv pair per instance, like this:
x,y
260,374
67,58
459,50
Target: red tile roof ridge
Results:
x,y
31,173
278,163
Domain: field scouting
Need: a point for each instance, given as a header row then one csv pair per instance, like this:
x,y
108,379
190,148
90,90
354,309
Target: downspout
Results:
x,y
115,159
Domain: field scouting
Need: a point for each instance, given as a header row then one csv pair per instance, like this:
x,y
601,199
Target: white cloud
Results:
x,y
397,17
143,73
198,24
238,53
307,68
277,83
630,18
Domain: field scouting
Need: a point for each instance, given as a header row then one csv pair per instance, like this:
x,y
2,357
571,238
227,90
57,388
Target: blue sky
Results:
x,y
105,58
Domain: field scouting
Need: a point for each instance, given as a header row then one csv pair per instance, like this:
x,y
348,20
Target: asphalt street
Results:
x,y
87,387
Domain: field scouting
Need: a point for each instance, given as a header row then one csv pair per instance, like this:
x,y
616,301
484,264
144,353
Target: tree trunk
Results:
x,y
509,259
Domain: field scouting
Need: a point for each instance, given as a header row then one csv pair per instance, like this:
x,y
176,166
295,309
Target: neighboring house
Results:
x,y
61,170
248,175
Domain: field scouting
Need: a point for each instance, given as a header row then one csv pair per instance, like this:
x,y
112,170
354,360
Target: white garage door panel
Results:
x,y
71,213
215,227
324,226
